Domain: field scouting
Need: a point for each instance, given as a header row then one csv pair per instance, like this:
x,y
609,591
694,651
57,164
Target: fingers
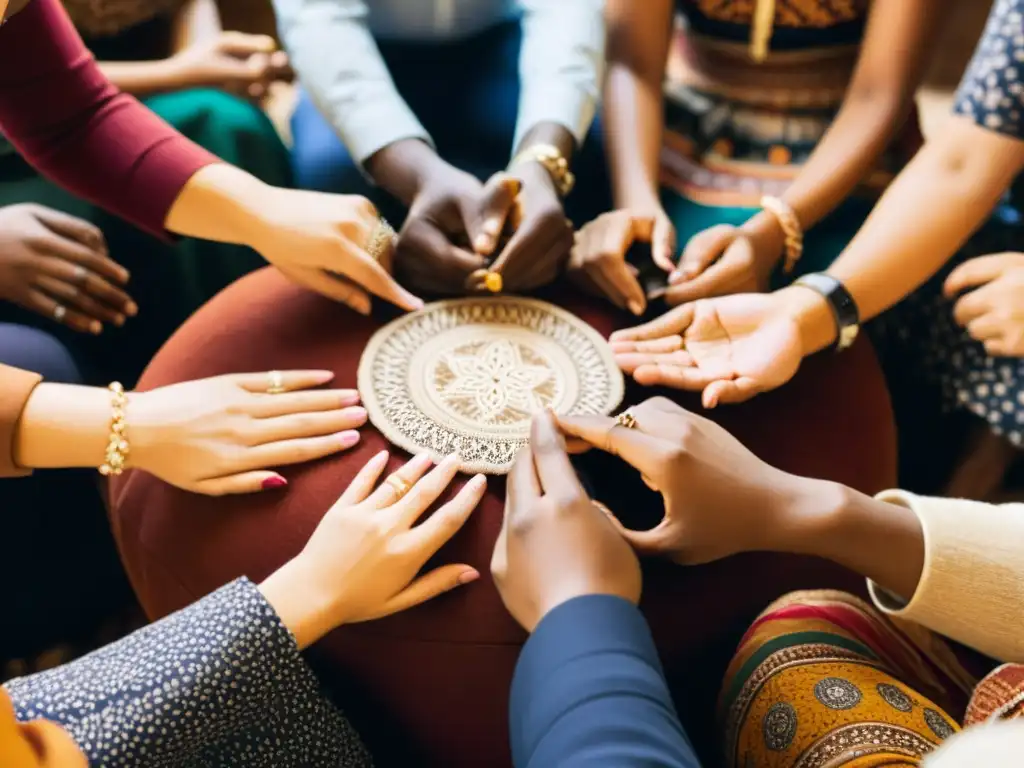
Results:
x,y
368,273
408,509
702,250
364,481
243,45
433,533
398,483
547,236
244,482
437,582
48,307
288,380
332,286
285,403
299,425
672,373
72,296
484,226
663,345
970,307
71,227
629,362
975,272
297,451
80,277
728,391
657,540
430,250
94,260
633,446
523,486
550,460
986,327
673,322
663,243
722,277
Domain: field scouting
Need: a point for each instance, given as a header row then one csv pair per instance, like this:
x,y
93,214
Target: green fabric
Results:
x,y
169,281
822,243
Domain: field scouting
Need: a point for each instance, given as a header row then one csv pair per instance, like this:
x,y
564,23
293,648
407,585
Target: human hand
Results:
x,y
218,436
361,561
319,241
435,250
731,347
542,238
555,544
992,312
234,61
720,499
598,260
57,266
723,260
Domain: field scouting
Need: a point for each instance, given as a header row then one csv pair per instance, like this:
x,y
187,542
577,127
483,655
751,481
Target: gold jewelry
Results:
x,y
791,228
626,419
554,163
275,383
761,30
117,446
493,282
398,484
381,239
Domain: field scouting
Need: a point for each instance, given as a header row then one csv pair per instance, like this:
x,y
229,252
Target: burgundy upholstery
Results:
x,y
429,686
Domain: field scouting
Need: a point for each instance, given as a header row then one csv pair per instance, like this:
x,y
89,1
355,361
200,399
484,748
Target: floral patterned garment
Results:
x,y
219,683
104,18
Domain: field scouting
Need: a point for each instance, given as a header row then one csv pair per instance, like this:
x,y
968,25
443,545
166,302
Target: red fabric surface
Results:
x,y
430,686
68,121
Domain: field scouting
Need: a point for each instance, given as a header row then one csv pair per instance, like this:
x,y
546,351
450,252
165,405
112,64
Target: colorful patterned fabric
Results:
x,y
796,23
824,679
1000,696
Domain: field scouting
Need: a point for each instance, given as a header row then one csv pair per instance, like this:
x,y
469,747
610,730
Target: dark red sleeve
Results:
x,y
68,120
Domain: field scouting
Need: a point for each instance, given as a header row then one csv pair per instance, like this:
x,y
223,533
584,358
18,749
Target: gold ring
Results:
x,y
381,239
626,419
275,383
493,282
398,484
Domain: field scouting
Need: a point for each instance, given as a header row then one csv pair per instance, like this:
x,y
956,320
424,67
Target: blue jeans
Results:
x,y
466,95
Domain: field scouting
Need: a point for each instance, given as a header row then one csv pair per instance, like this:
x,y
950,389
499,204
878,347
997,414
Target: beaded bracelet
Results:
x,y
117,447
791,228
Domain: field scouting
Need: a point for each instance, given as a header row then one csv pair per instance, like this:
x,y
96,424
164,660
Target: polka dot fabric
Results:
x,y
992,92
219,683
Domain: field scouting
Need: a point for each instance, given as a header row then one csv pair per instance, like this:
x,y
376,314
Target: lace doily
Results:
x,y
464,377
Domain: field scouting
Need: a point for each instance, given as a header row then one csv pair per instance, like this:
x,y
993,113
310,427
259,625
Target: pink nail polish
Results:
x,y
274,482
348,438
349,398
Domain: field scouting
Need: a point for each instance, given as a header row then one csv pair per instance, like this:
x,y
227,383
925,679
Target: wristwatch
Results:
x,y
554,163
844,308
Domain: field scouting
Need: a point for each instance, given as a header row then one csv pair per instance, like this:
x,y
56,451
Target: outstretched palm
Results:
x,y
731,348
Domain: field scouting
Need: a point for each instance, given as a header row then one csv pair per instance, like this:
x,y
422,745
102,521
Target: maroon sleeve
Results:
x,y
76,128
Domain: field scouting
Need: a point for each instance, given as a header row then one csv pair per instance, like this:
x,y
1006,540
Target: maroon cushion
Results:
x,y
429,686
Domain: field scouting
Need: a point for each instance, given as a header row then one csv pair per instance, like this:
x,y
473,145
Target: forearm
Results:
x,y
634,126
883,542
221,203
142,78
63,426
402,167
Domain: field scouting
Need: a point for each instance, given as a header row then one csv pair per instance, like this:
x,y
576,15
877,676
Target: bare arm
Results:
x,y
638,45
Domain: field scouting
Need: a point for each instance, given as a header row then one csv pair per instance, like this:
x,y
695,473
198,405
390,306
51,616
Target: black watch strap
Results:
x,y
844,308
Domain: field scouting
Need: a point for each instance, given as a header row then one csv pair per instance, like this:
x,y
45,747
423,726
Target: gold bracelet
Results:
x,y
791,228
117,447
554,163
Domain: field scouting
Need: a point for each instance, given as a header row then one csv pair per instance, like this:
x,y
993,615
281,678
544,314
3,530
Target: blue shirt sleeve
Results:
x,y
589,691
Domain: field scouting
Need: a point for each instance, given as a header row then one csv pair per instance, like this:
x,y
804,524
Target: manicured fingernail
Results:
x,y
477,482
132,309
274,482
348,438
421,460
322,377
381,458
468,577
96,327
635,307
349,398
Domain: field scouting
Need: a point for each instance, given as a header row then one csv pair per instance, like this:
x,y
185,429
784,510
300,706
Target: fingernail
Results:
x,y
676,277
322,377
421,460
478,481
383,456
635,307
132,309
348,438
357,412
349,398
449,460
95,327
274,482
119,320
468,577
482,243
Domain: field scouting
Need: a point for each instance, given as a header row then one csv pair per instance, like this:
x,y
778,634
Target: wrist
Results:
x,y
535,176
404,167
225,204
294,592
812,315
63,426
173,73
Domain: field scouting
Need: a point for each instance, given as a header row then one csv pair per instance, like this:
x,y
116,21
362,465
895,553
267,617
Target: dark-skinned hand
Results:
x,y
555,543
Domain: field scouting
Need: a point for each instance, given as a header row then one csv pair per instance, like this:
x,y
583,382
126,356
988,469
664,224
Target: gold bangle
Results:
x,y
791,228
553,161
117,445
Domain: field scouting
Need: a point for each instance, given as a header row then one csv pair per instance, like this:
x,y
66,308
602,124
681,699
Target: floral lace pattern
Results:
x,y
464,377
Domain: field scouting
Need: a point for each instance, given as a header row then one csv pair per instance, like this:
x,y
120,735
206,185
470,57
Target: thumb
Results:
x,y
663,243
426,587
702,250
484,226
656,541
242,45
729,391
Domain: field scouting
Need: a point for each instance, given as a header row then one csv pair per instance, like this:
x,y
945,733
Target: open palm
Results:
x,y
731,348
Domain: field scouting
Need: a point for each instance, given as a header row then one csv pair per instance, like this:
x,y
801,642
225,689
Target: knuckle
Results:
x,y
522,522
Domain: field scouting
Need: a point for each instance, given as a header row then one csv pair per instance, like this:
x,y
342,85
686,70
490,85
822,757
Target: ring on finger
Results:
x,y
381,239
275,383
59,311
493,281
626,419
400,486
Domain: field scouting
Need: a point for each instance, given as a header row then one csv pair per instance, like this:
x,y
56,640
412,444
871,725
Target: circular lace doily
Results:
x,y
464,377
